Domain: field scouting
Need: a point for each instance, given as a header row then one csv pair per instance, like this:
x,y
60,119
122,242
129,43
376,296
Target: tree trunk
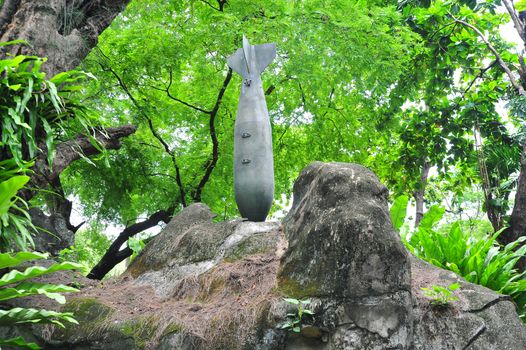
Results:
x,y
115,255
66,153
517,226
493,213
64,31
420,192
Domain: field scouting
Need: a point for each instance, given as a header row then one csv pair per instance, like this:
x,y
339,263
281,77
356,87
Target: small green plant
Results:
x,y
295,319
441,296
15,225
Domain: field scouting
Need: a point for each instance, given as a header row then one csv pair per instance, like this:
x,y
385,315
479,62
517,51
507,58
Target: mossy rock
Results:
x,y
294,289
256,244
91,315
142,330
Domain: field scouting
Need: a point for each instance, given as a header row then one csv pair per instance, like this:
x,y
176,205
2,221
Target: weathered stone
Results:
x,y
192,244
342,246
343,254
480,320
341,240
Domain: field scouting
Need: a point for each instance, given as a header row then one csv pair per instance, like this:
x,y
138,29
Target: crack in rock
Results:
x,y
477,334
490,304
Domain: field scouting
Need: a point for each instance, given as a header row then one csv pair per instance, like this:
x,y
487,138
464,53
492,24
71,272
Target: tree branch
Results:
x,y
70,151
154,132
478,76
499,59
519,26
213,135
114,255
42,24
167,90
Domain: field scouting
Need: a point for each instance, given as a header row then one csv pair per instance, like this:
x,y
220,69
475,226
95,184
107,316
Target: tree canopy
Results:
x,y
410,89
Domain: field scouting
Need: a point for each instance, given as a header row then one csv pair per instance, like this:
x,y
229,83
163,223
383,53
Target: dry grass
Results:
x,y
218,309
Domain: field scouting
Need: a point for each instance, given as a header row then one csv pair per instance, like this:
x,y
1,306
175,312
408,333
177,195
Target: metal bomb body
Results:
x,y
253,160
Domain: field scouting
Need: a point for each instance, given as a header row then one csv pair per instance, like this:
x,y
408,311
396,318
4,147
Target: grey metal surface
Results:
x,y
253,161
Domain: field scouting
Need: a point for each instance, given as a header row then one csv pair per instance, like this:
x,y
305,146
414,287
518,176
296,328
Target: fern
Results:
x,y
14,284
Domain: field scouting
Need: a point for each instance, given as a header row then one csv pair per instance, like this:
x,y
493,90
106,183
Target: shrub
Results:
x,y
477,258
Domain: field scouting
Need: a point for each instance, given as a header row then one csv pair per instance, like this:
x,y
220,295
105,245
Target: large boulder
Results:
x,y
343,249
202,284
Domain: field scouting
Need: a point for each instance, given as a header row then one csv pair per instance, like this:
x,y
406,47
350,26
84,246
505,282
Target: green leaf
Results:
x,y
32,288
13,42
399,211
21,315
8,190
432,217
292,301
20,343
35,271
10,259
520,5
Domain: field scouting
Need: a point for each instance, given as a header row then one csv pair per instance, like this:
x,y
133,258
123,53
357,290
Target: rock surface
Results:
x,y
202,284
343,249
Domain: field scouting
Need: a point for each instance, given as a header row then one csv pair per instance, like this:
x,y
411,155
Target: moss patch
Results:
x,y
172,328
142,330
87,309
293,289
91,315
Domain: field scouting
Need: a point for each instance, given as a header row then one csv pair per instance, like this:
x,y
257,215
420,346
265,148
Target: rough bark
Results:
x,y
420,192
517,223
64,31
69,151
517,227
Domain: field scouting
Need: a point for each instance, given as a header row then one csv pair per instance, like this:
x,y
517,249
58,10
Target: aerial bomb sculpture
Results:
x,y
253,163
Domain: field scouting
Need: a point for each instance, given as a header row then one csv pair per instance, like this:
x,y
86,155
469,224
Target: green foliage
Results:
x,y
34,115
136,245
441,296
520,5
31,106
15,225
479,260
19,342
294,320
326,81
398,211
90,245
14,284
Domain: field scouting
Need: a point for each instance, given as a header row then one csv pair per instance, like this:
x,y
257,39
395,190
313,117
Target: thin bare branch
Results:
x,y
478,76
210,5
154,132
167,90
213,135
